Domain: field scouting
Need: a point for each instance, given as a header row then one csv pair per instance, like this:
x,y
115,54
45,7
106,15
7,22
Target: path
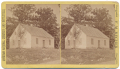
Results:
x,y
52,62
108,62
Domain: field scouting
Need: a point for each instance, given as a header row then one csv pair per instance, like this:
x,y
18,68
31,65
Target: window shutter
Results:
x,y
36,40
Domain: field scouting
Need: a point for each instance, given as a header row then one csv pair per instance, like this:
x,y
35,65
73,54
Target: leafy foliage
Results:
x,y
22,11
78,12
103,22
47,20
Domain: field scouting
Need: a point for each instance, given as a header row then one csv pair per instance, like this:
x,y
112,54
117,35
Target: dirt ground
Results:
x,y
32,56
52,62
88,56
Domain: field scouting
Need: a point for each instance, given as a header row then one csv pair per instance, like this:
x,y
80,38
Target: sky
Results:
x,y
55,7
109,7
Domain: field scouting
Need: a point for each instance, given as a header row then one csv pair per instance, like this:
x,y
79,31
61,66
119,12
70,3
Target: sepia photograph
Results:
x,y
87,34
59,34
32,34
75,34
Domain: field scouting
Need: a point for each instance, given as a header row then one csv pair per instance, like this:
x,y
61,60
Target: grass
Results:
x,y
87,56
31,56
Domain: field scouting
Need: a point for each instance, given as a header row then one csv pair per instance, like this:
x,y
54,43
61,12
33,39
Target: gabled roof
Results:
x,y
90,31
35,31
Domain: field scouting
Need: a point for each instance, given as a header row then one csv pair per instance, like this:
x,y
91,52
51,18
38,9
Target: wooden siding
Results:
x,y
40,42
26,41
84,41
29,41
14,37
95,43
79,42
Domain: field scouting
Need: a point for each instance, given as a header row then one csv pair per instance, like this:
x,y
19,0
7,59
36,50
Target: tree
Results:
x,y
22,11
47,20
66,20
103,22
102,19
79,12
